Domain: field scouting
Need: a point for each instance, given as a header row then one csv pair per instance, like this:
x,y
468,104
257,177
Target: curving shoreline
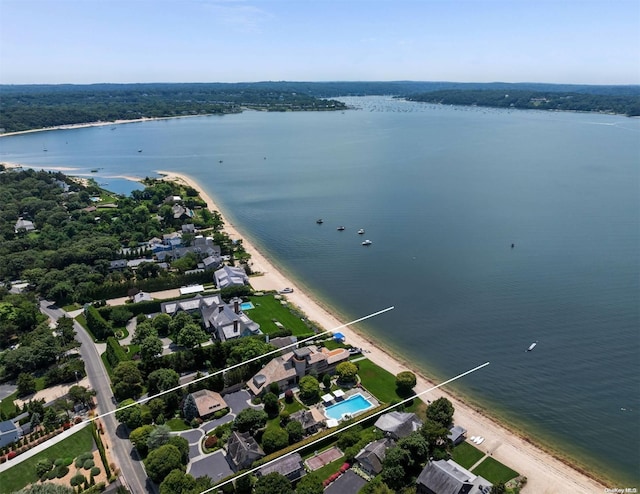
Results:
x,y
546,472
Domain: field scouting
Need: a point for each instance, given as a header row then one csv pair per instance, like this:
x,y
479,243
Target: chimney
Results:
x,y
236,306
220,308
235,326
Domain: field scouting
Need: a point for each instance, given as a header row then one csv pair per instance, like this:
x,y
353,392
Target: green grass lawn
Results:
x,y
329,469
466,455
293,407
378,381
494,471
7,406
178,424
24,473
267,308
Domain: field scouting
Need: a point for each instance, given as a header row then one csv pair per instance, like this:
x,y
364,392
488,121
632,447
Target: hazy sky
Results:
x,y
86,41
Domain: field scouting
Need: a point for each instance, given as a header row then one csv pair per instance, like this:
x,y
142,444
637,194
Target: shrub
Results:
x,y
95,471
210,442
11,455
77,479
61,471
58,462
88,464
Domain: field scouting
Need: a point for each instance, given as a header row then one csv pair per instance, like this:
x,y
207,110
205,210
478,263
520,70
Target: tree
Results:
x,y
376,486
190,408
161,324
150,349
177,482
127,380
80,394
158,437
26,384
51,418
162,380
394,466
156,407
162,461
417,447
120,315
271,404
46,488
250,419
405,382
441,411
131,416
309,389
139,437
274,439
183,446
437,438
273,483
310,484
295,431
326,381
144,330
191,335
346,372
498,488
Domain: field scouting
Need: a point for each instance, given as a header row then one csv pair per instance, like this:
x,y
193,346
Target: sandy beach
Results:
x,y
545,473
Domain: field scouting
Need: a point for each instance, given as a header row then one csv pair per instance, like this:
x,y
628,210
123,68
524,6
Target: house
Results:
x,y
457,434
228,322
243,450
311,420
188,228
282,341
172,239
398,424
10,432
370,457
181,213
191,305
172,199
447,477
290,367
118,265
230,276
291,466
208,402
23,225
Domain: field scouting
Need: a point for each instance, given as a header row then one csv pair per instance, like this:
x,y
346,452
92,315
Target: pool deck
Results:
x,y
348,394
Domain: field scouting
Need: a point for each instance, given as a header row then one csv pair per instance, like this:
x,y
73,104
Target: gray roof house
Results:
x,y
228,321
447,477
291,466
230,276
311,420
194,304
456,434
10,432
398,424
243,450
370,457
23,225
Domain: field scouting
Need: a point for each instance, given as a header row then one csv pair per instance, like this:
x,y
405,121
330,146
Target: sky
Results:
x,y
93,41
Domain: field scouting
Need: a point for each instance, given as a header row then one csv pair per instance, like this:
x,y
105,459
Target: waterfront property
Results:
x,y
290,367
228,276
447,476
398,424
370,457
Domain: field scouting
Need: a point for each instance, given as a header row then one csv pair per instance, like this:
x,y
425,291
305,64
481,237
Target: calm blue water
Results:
x,y
354,404
442,192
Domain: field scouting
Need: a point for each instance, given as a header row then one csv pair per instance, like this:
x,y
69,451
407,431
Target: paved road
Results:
x,y
125,456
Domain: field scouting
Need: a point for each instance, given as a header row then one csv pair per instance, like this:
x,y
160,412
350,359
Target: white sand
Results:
x,y
545,473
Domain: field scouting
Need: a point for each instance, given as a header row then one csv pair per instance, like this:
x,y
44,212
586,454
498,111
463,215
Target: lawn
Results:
x,y
379,382
178,424
7,406
24,473
494,471
329,469
466,455
267,309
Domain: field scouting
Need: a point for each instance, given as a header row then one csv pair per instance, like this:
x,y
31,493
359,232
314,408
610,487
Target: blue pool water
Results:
x,y
357,403
246,306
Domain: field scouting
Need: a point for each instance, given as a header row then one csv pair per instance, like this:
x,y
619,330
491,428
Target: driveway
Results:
x,y
348,483
6,390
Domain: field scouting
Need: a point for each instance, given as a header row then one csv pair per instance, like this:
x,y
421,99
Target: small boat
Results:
x,y
139,150
286,290
220,161
319,221
472,439
340,228
361,231
367,242
94,170
479,440
532,346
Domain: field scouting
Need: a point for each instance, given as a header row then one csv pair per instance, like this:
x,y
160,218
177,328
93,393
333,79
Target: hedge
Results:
x,y
115,353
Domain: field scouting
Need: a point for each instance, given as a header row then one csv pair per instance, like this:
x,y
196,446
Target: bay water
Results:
x,y
443,193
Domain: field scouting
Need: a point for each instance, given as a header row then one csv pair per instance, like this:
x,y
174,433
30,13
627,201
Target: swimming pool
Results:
x,y
355,404
246,306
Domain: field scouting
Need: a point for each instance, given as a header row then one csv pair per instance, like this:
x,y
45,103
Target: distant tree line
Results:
x,y
34,107
625,104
